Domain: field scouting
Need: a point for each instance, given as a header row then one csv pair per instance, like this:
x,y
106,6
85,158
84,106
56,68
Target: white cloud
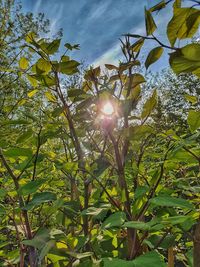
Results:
x,y
111,56
99,10
37,6
55,21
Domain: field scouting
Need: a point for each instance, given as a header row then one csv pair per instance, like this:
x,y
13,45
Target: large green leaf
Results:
x,y
137,79
137,225
153,56
150,24
183,24
69,67
40,198
43,66
114,262
169,201
150,259
17,152
31,187
173,220
114,220
39,240
158,6
194,120
47,247
186,59
23,63
149,105
52,47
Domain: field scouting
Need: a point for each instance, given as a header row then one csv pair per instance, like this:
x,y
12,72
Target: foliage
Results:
x,y
80,187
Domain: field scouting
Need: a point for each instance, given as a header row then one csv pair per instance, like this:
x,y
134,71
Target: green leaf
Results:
x,y
191,98
137,45
137,225
25,136
50,96
149,105
141,191
114,262
32,93
52,47
80,255
182,25
177,4
158,6
3,193
137,79
31,187
47,247
40,198
150,24
192,24
2,210
93,211
169,201
175,219
71,47
39,240
17,152
101,164
111,67
69,67
43,65
23,63
139,132
114,220
149,259
153,56
32,81
14,122
30,37
75,92
194,120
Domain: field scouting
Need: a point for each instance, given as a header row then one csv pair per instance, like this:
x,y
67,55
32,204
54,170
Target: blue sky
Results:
x,y
96,25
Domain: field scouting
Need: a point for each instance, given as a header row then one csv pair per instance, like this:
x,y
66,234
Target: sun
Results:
x,y
108,109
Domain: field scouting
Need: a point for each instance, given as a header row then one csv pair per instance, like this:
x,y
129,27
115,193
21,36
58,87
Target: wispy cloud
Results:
x,y
111,56
95,24
37,7
55,23
99,10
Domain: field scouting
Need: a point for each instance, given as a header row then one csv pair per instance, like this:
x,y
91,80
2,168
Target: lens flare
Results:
x,y
108,109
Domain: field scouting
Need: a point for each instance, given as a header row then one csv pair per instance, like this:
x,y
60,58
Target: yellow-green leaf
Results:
x,y
137,45
149,105
43,65
111,67
158,6
32,93
150,23
23,63
194,120
50,96
186,59
153,56
183,24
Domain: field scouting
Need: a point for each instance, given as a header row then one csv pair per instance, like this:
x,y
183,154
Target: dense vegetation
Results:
x,y
99,167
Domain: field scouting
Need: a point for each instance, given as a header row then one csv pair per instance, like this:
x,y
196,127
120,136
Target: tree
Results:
x,y
88,182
